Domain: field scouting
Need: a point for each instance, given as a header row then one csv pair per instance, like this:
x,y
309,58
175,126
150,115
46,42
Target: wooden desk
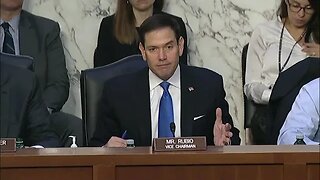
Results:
x,y
221,163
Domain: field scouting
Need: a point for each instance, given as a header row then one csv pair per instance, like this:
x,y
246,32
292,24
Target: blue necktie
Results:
x,y
165,112
8,46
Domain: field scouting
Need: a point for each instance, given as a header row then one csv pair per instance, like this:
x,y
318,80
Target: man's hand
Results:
x,y
116,142
221,132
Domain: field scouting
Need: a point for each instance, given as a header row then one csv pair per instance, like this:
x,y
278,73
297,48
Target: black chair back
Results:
x,y
92,82
249,106
25,62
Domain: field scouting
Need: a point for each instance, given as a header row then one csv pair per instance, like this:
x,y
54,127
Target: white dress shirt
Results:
x,y
303,117
262,59
14,30
156,92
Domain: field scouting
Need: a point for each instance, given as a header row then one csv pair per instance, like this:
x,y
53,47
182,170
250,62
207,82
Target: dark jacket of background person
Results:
x,y
286,90
23,113
40,39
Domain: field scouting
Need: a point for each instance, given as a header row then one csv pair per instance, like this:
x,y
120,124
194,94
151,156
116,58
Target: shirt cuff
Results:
x,y
50,110
266,95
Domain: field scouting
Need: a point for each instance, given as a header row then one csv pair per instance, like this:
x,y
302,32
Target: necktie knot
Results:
x,y
5,26
165,86
8,44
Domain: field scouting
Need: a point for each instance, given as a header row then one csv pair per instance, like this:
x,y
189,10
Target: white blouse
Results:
x,y
262,59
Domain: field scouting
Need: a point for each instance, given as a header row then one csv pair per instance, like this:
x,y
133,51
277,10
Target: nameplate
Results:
x,y
198,143
8,144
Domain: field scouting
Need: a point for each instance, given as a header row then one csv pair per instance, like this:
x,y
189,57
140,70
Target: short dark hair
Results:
x,y
159,21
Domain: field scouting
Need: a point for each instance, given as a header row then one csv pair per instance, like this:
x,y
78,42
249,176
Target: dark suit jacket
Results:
x,y
109,49
40,38
286,90
126,106
23,113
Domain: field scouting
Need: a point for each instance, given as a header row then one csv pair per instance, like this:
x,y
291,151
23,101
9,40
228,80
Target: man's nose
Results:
x,y
162,54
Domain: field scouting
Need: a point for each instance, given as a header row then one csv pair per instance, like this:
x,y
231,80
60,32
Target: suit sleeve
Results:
x,y
107,125
103,53
226,117
38,130
56,91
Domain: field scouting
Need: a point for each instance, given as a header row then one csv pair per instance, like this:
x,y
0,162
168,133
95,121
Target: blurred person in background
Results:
x,y
118,34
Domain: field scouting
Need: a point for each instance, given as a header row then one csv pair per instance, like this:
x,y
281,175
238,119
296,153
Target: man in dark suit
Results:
x,y
131,103
23,112
39,38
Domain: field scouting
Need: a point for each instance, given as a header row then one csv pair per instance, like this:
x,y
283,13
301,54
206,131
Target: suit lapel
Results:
x,y
187,98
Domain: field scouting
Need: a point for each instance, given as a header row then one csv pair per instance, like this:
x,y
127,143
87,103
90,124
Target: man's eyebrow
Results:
x,y
152,46
170,42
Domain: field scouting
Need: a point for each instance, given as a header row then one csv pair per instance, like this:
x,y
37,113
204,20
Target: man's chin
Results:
x,y
164,76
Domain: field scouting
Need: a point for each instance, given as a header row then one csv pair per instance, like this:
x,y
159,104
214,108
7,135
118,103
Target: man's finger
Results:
x,y
229,134
228,127
218,116
116,142
227,142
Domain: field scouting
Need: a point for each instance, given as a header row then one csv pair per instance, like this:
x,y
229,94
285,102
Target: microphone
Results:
x,y
172,128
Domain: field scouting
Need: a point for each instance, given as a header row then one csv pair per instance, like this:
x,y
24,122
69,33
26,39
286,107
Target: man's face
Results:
x,y
162,51
11,5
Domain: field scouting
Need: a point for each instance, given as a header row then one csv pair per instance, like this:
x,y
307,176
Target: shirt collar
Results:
x,y
174,80
14,22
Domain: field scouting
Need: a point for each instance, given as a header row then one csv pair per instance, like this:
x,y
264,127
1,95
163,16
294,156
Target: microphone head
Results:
x,y
172,127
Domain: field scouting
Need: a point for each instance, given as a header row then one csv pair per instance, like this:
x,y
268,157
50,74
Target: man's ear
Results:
x,y
181,45
143,51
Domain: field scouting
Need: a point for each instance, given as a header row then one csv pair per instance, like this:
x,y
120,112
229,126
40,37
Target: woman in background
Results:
x,y
274,47
118,34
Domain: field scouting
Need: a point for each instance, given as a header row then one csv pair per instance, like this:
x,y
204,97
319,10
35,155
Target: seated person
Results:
x,y
274,47
39,38
133,104
23,112
304,116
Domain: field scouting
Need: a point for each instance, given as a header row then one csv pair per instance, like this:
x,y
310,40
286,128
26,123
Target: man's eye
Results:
x,y
152,49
